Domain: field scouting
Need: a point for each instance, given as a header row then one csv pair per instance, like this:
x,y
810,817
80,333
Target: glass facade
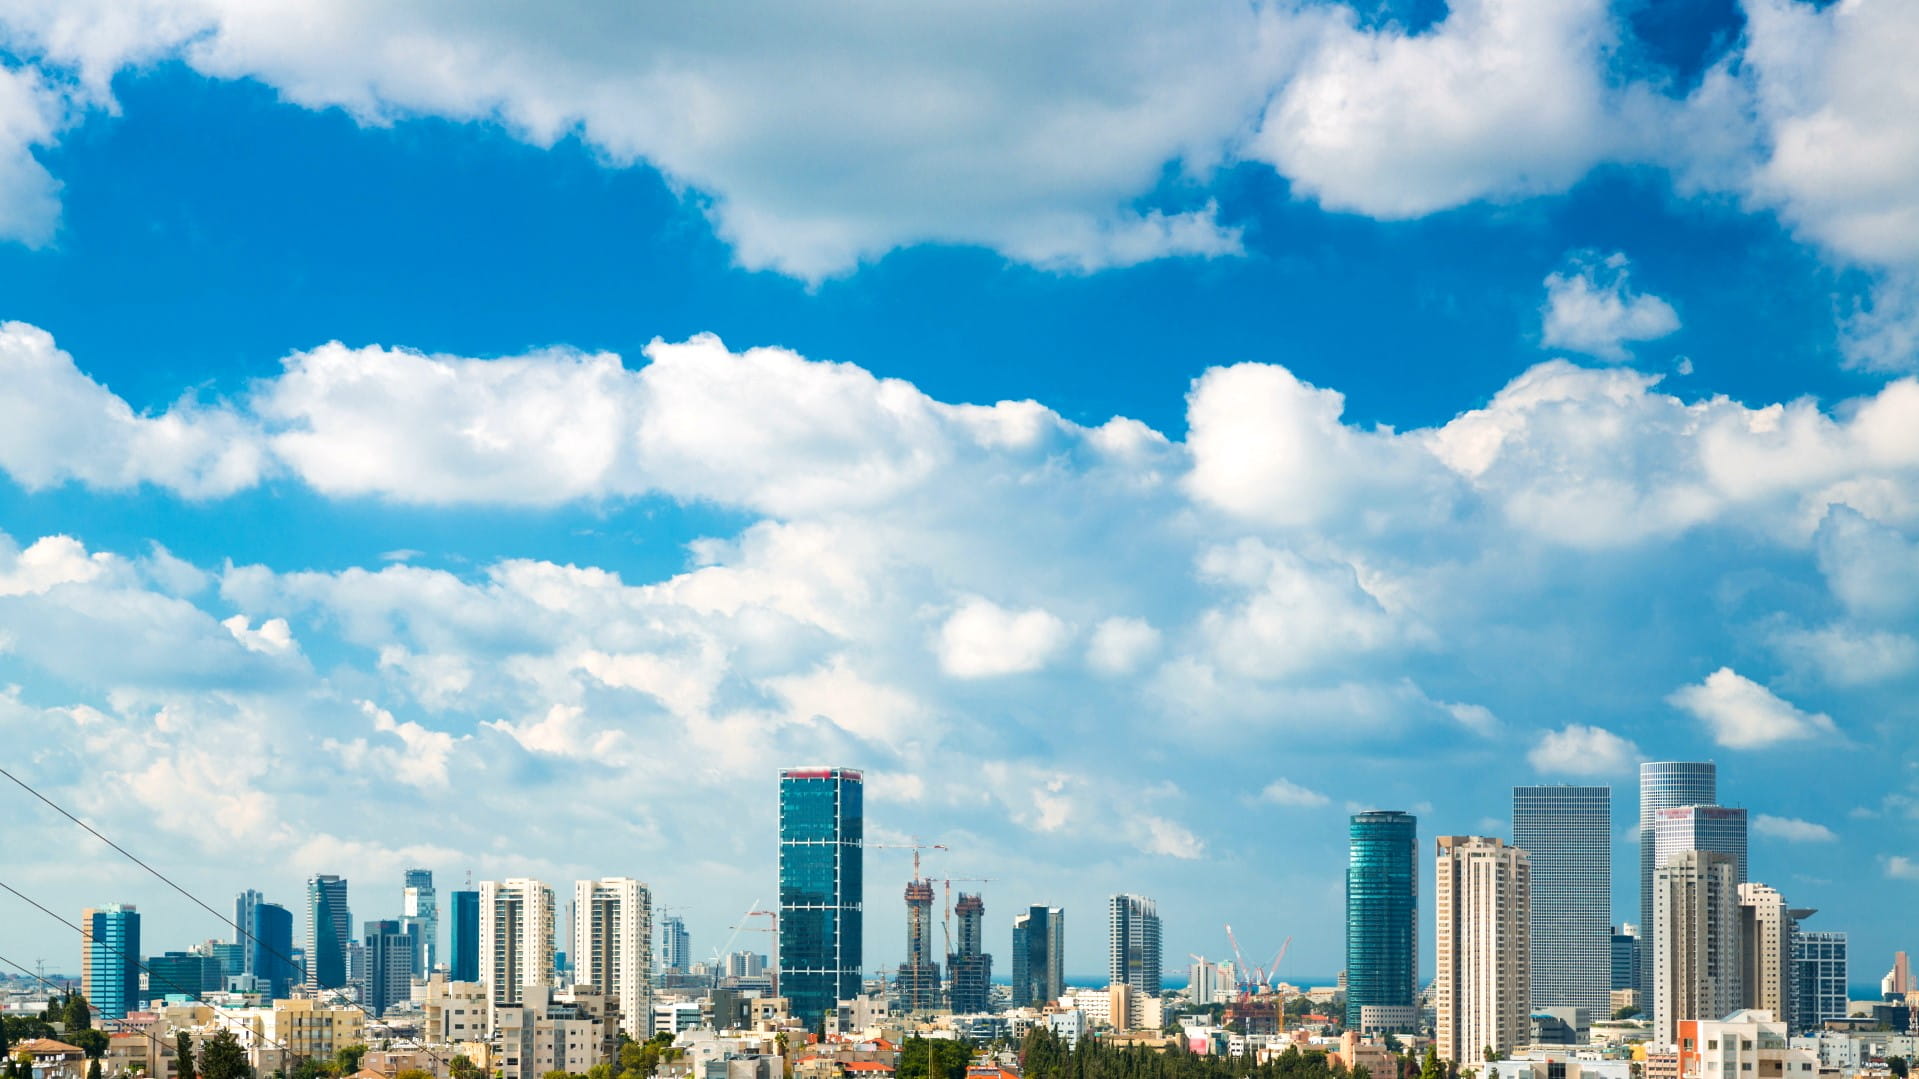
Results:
x,y
1625,957
329,932
1820,977
821,886
1664,785
463,941
1567,833
1039,945
111,959
1133,958
1382,912
266,942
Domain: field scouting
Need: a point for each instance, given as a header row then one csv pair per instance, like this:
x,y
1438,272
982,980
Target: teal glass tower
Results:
x,y
821,827
464,943
110,959
1382,916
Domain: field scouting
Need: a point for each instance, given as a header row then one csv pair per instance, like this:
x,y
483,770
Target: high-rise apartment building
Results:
x,y
822,828
1132,956
1701,827
266,944
676,946
1482,901
1696,970
1664,785
110,959
420,914
389,948
1039,956
969,970
1382,915
1820,980
1566,832
463,936
613,947
329,932
919,976
516,937
1766,929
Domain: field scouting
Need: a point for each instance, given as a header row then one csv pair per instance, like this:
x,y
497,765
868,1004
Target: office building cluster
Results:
x,y
1533,979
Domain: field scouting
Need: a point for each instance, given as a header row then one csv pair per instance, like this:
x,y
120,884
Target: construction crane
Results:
x,y
915,846
946,919
772,926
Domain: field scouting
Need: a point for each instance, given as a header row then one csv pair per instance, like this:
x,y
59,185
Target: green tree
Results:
x,y
462,1067
93,1068
1898,1067
346,1059
1626,1012
1431,1068
413,1073
223,1058
93,1041
933,1058
183,1047
308,1068
75,1014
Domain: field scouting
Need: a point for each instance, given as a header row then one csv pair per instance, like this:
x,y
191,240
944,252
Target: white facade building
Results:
x,y
1696,972
516,938
1482,894
613,947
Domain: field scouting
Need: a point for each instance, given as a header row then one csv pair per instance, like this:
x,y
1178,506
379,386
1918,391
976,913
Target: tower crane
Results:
x,y
915,846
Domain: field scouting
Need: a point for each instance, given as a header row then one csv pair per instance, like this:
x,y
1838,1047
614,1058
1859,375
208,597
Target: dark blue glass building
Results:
x,y
1382,915
110,959
464,945
821,827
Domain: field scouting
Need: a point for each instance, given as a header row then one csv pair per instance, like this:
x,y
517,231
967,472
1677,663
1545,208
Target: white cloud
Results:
x,y
58,425
1502,99
1581,750
1157,835
31,114
1119,645
1850,656
274,636
1900,867
1592,308
1742,714
1792,830
1285,792
982,639
48,562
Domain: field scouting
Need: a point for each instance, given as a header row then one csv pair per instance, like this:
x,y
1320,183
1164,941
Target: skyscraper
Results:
x,y
613,947
266,943
110,959
822,821
1566,833
1820,980
516,937
1701,827
329,932
1626,957
1664,785
1039,950
389,951
1482,902
1767,927
1695,963
970,970
919,976
1382,914
676,947
420,913
463,937
1132,956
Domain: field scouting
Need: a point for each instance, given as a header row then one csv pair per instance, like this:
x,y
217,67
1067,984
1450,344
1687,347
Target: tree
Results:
x,y
183,1046
1897,1066
1431,1068
93,1041
93,1068
76,1015
223,1058
1626,1012
933,1058
308,1068
414,1073
462,1067
346,1059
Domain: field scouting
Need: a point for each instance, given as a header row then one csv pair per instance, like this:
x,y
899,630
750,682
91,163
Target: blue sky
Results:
x,y
429,436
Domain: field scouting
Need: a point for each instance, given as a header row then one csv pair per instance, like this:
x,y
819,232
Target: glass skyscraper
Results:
x,y
420,914
329,932
1039,949
1701,827
1664,785
821,827
266,942
1819,959
1133,957
1567,832
676,947
463,937
110,959
1382,916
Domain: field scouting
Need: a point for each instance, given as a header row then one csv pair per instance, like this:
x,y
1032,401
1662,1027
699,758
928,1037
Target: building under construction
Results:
x,y
969,969
919,976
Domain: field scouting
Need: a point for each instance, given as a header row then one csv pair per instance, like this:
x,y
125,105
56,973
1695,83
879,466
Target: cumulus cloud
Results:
x,y
1503,98
1900,867
1742,714
983,639
31,115
1581,750
1791,829
1285,792
1119,645
1592,308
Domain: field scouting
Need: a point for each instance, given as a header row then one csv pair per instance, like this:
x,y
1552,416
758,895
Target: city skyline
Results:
x,y
1136,442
